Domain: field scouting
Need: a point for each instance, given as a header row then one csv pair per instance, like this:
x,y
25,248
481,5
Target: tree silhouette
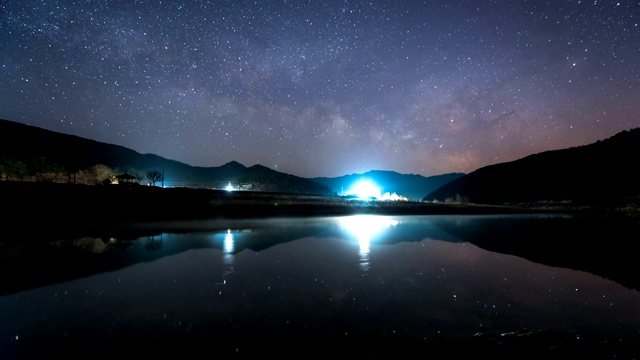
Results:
x,y
154,176
46,170
11,168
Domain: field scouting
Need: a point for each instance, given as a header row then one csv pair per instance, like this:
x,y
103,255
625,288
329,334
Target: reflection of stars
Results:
x,y
324,89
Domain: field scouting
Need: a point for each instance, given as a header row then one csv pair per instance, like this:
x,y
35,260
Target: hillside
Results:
x,y
28,152
412,186
598,173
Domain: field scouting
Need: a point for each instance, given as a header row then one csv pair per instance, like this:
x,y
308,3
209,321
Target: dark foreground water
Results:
x,y
358,286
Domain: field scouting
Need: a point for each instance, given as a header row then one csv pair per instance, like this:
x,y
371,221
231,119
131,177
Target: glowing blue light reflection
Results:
x,y
228,242
228,247
364,228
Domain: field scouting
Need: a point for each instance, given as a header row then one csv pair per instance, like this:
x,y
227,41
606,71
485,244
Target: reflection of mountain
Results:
x,y
407,230
599,245
21,264
603,247
28,265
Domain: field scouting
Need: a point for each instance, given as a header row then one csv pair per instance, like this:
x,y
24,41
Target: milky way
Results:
x,y
325,88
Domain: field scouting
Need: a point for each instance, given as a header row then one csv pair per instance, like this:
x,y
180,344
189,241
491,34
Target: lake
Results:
x,y
363,286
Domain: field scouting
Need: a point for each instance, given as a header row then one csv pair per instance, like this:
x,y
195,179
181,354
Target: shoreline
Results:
x,y
76,214
47,209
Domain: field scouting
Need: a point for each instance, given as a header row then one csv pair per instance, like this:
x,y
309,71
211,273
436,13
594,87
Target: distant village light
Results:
x,y
366,190
229,187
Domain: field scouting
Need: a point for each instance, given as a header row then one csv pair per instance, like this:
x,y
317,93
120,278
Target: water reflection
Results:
x,y
228,242
558,240
365,228
154,243
278,285
228,255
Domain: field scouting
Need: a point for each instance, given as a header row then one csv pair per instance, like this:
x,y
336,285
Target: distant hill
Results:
x,y
28,152
604,171
414,187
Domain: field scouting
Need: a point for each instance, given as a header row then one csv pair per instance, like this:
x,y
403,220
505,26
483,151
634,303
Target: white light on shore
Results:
x,y
366,190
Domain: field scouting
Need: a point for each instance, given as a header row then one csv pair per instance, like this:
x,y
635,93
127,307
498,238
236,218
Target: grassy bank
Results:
x,y
52,205
47,208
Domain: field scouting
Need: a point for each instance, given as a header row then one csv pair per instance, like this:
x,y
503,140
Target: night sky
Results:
x,y
325,88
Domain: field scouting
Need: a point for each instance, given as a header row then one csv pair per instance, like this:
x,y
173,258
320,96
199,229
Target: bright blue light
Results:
x,y
364,228
228,242
365,189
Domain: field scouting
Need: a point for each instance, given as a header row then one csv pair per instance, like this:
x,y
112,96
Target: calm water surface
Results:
x,y
316,287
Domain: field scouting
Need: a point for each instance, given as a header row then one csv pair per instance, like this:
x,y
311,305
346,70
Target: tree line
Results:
x,y
43,169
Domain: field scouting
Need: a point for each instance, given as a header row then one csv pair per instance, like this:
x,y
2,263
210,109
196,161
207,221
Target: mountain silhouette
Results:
x,y
42,152
597,173
414,187
35,149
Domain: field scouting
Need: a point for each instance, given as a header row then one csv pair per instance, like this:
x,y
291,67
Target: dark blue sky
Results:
x,y
325,88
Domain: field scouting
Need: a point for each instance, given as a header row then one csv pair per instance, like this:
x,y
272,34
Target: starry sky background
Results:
x,y
325,88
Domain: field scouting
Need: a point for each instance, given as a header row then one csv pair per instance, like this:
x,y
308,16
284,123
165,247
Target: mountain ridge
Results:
x,y
68,154
27,151
596,172
412,186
